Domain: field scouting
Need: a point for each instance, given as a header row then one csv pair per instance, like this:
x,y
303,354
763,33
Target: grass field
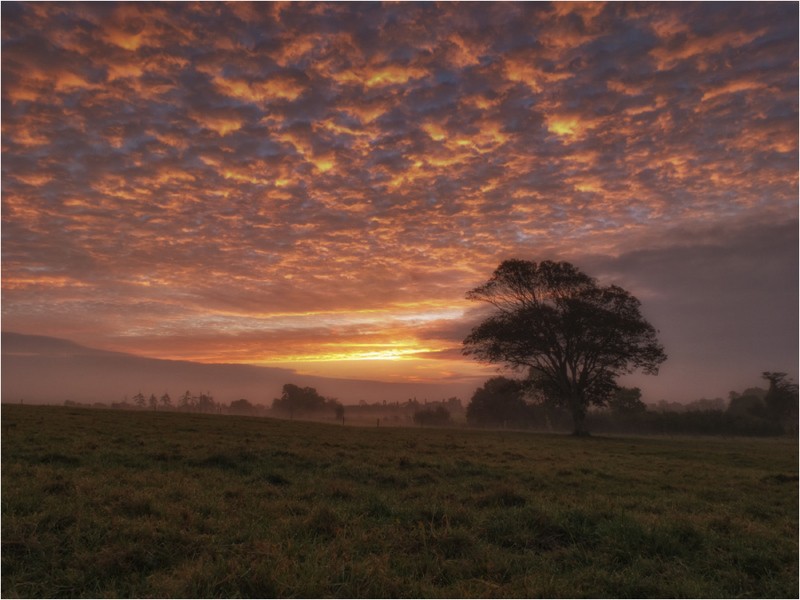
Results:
x,y
100,503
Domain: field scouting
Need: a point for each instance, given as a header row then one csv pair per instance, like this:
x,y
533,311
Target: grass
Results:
x,y
137,504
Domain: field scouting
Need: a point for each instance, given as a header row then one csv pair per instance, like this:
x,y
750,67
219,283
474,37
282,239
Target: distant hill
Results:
x,y
41,369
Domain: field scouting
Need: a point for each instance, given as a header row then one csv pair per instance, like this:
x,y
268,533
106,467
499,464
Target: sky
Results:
x,y
315,186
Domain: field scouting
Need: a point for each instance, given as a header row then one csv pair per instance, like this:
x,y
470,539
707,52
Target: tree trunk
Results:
x,y
579,417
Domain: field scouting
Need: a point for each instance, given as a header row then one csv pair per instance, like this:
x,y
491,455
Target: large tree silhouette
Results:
x,y
574,336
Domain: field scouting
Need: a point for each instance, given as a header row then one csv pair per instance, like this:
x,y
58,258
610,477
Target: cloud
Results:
x,y
173,170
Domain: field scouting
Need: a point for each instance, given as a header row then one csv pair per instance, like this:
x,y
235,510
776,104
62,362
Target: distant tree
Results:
x,y
166,401
781,399
555,320
297,401
627,401
757,392
205,403
153,401
454,404
139,400
706,404
186,400
664,406
499,401
336,406
749,403
434,416
411,404
242,407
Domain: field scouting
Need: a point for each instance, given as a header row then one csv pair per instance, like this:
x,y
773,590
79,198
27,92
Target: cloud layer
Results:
x,y
288,183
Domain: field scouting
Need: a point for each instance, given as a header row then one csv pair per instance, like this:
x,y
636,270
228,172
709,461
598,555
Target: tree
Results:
x,y
576,336
453,404
338,408
499,401
749,403
437,416
242,407
205,403
153,401
627,401
296,400
187,401
781,399
139,400
339,411
166,401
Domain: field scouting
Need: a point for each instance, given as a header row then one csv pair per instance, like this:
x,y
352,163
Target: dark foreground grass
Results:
x,y
135,504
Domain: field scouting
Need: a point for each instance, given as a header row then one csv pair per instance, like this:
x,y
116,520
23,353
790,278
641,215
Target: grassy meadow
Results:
x,y
101,503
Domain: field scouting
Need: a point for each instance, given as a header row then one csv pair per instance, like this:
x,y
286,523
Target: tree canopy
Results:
x,y
574,336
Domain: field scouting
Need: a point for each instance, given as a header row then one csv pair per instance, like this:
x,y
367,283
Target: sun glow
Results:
x,y
383,347
351,353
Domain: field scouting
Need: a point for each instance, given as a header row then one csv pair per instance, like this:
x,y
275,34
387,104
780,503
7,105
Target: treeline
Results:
x,y
503,402
412,411
512,403
307,403
187,402
298,402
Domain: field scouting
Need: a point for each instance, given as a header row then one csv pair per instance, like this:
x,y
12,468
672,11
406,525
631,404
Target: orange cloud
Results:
x,y
733,87
522,69
462,53
567,126
691,46
220,124
23,282
380,75
276,88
